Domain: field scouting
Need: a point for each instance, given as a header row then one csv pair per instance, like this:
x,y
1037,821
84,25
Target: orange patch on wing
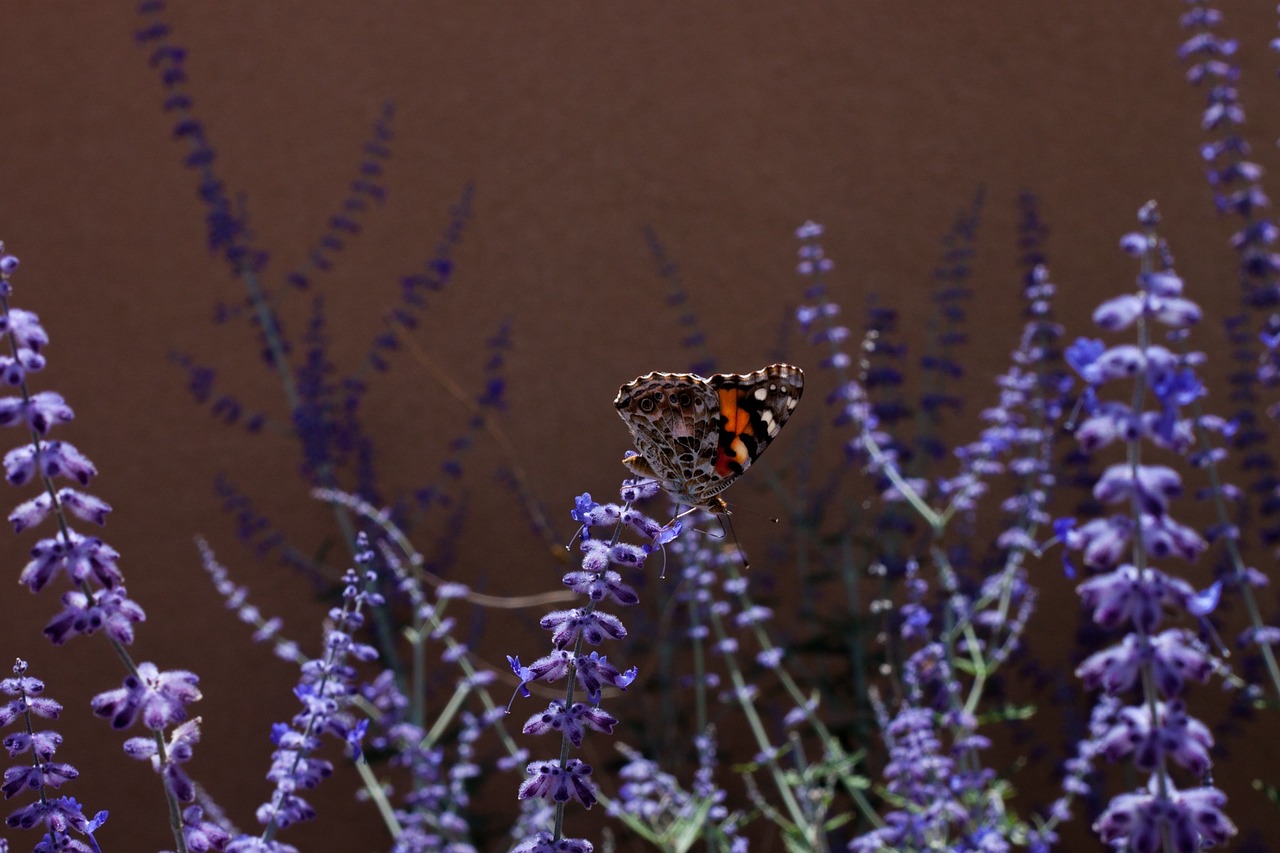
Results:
x,y
736,420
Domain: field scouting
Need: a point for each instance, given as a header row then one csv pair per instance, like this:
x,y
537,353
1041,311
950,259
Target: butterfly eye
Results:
x,y
647,404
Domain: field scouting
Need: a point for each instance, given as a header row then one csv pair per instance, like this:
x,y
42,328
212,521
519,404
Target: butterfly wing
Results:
x,y
752,411
672,418
696,436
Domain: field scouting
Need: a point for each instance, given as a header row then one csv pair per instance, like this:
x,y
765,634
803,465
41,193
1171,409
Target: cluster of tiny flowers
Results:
x,y
1127,593
707,564
817,320
561,780
1236,182
945,796
1017,440
933,736
236,597
56,815
940,369
430,812
1020,425
97,600
709,588
657,800
816,315
325,689
227,228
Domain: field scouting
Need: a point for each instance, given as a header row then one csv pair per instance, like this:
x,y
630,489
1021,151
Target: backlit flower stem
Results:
x,y
417,636
1232,543
802,702
812,836
1134,457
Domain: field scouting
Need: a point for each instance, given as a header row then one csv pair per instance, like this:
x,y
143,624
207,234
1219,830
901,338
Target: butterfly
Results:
x,y
697,435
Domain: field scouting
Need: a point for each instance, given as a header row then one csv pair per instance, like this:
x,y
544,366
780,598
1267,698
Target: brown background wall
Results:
x,y
723,126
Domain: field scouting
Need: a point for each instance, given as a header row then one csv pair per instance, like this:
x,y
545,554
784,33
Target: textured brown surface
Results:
x,y
723,126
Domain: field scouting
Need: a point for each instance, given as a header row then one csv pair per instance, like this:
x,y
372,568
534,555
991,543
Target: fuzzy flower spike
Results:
x,y
57,815
96,601
1152,663
557,781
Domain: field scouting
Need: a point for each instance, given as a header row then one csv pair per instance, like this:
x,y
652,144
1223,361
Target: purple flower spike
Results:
x,y
1153,734
39,772
562,780
326,691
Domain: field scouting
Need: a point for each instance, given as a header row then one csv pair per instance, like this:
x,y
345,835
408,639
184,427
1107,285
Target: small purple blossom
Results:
x,y
571,722
549,781
1192,817
158,698
109,610
593,626
542,842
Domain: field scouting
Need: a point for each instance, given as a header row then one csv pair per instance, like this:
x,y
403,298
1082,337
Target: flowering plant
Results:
x,y
880,712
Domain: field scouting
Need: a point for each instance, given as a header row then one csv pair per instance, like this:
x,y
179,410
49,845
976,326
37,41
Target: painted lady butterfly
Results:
x,y
695,436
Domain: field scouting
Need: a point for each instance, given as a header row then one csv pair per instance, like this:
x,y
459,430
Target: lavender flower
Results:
x,y
56,815
363,189
430,812
939,367
236,598
558,781
933,735
97,599
1236,183
692,335
227,227
325,689
1131,595
654,805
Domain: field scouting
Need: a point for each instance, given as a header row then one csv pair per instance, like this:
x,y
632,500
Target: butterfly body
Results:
x,y
696,435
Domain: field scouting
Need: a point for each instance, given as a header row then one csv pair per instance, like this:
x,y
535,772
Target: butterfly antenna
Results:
x,y
772,519
726,524
574,538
